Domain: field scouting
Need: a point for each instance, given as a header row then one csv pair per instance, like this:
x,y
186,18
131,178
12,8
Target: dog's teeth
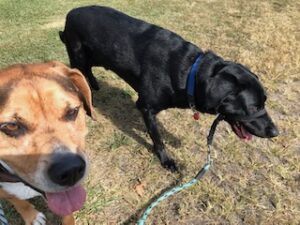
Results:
x,y
40,219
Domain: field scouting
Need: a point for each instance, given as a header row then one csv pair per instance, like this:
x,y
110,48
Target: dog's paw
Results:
x,y
170,164
40,219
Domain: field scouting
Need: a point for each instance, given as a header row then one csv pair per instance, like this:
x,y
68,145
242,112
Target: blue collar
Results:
x,y
192,76
191,81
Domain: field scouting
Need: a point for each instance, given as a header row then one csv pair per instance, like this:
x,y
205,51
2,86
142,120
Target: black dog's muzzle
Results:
x,y
263,126
233,118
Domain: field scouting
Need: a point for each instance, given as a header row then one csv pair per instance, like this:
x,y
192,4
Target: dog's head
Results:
x,y
42,130
235,92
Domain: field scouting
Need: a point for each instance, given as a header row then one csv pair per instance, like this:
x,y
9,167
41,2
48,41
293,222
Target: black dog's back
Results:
x,y
102,36
152,60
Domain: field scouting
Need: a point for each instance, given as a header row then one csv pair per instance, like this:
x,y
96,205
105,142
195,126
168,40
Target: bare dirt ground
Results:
x,y
253,182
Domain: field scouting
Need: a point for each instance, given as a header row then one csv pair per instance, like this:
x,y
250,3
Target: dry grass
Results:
x,y
251,183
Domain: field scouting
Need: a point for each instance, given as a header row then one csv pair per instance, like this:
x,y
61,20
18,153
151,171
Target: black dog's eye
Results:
x,y
253,109
13,129
71,114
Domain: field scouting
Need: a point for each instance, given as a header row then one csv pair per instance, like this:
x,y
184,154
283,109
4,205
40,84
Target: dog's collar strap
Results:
x,y
191,82
6,176
190,88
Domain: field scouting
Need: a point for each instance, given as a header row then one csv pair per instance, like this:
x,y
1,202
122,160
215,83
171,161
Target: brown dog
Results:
x,y
42,138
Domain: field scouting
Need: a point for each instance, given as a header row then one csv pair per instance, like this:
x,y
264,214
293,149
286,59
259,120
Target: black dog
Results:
x,y
156,63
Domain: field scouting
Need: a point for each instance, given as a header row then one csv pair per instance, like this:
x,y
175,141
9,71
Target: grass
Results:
x,y
253,182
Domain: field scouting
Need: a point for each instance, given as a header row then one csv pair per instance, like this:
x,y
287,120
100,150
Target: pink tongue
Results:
x,y
66,202
242,133
246,134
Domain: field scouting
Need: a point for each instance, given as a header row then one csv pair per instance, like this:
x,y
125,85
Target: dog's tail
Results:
x,y
62,36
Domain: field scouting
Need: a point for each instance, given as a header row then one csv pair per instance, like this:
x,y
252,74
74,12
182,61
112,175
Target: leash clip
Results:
x,y
209,159
196,114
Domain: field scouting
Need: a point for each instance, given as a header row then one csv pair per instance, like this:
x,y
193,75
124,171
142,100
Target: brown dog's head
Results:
x,y
42,129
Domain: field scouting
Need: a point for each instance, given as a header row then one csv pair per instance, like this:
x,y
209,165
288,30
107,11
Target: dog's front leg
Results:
x,y
68,220
159,147
29,214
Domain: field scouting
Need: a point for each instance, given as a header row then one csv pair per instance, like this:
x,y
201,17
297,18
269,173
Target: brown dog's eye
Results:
x,y
71,114
13,129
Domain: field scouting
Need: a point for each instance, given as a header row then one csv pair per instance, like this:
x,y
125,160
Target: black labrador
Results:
x,y
156,63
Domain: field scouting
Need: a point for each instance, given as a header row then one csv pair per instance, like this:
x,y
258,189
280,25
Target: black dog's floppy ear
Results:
x,y
213,86
241,73
245,68
226,105
211,65
220,91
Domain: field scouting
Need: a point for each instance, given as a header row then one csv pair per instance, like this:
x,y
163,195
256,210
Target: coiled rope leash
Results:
x,y
3,220
198,177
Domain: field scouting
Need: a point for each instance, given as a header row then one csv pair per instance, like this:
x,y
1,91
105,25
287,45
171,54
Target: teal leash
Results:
x,y
171,192
198,177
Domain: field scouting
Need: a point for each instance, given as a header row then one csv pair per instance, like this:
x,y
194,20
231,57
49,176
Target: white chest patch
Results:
x,y
19,190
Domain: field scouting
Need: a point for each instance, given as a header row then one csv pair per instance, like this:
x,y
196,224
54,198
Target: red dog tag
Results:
x,y
196,115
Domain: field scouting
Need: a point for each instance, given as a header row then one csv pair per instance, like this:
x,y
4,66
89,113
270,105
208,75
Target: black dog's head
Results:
x,y
235,92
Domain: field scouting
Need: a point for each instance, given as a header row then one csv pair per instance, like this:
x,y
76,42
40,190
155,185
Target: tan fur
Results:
x,y
37,99
27,210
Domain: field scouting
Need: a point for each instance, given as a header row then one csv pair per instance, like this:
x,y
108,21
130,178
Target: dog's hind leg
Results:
x,y
159,147
78,58
29,214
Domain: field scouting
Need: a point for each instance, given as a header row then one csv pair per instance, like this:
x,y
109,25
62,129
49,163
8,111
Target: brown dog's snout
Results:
x,y
66,168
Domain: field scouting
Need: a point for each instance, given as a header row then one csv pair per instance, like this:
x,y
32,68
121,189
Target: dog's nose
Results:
x,y
272,131
66,168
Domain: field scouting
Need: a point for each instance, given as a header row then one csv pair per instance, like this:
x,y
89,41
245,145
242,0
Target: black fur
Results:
x,y
156,62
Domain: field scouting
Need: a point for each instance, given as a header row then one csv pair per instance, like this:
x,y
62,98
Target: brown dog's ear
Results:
x,y
80,82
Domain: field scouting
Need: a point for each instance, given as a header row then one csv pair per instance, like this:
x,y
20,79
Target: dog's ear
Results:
x,y
211,64
84,90
212,87
80,83
219,91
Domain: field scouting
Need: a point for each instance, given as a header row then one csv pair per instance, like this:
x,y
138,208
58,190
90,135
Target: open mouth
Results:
x,y
241,131
62,203
66,202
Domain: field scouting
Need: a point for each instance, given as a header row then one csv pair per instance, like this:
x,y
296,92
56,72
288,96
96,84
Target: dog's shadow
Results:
x,y
117,105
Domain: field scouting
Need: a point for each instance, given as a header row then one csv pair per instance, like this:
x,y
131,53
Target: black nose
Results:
x,y
66,169
272,131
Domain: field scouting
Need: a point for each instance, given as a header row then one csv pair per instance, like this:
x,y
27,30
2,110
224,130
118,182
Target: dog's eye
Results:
x,y
253,109
13,129
71,114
